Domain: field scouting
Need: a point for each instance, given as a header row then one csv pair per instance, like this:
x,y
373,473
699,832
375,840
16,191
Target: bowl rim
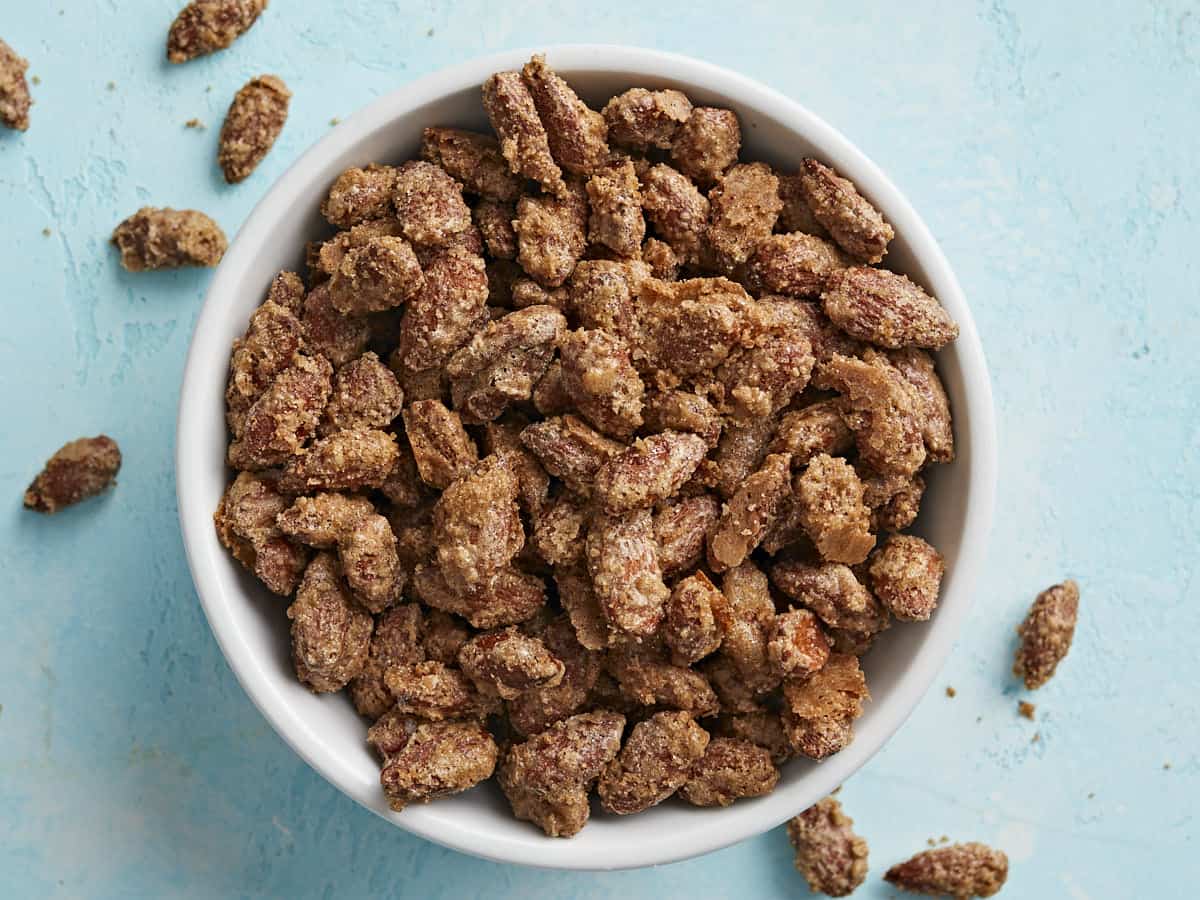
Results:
x,y
205,346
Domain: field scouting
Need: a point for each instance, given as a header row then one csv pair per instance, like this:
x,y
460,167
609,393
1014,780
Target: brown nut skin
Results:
x,y
205,26
429,204
444,314
509,663
851,220
246,525
570,449
523,140
653,764
1046,634
750,512
365,394
472,159
154,238
381,274
80,469
432,690
337,337
693,625
511,597
819,710
551,234
331,633
14,89
252,125
640,119
886,309
961,871
272,338
830,856
439,759
743,207
396,641
795,265
360,195
616,219
652,469
829,496
707,144
546,778
349,460
441,447
729,770
578,136
622,557
500,365
798,645
811,431
477,525
681,529
285,416
676,209
906,575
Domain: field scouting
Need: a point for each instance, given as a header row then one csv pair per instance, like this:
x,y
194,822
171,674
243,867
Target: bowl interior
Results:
x,y
250,623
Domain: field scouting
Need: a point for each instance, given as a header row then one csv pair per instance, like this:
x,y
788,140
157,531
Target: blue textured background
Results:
x,y
1051,148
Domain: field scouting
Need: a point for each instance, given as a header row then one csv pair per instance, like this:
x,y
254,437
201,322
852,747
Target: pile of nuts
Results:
x,y
586,452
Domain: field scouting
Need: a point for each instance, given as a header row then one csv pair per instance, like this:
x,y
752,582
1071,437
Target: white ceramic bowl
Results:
x,y
249,623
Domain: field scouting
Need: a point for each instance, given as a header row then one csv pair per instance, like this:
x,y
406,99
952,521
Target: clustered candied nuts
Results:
x,y
584,452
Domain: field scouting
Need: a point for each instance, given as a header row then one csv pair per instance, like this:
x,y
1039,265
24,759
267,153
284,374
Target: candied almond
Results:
x,y
832,591
432,690
558,532
578,136
347,460
205,26
762,379
1046,634
641,119
508,663
429,204
690,327
819,709
681,529
735,695
647,678
761,727
281,421
80,469
707,144
14,89
508,598
246,522
443,637
894,500
603,296
906,574
661,258
829,496
474,160
616,218
570,450
751,621
651,469
154,238
441,447
882,409
749,513
359,195
365,395
551,234
849,217
503,438
622,558
740,452
917,367
795,265
371,564
494,220
654,763
886,309
266,349
526,293
743,207
439,759
339,338
320,520
252,125
796,214
811,431
379,275
958,870
729,770
583,608
797,646
693,626
443,315
523,140
549,396
676,209
396,641
331,633
538,708
477,525
830,856
500,364
681,411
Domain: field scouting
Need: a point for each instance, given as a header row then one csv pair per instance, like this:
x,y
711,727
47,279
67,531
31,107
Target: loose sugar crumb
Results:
x,y
1026,709
951,692
194,123
46,232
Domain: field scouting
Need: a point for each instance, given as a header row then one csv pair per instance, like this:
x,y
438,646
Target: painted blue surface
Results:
x,y
1052,150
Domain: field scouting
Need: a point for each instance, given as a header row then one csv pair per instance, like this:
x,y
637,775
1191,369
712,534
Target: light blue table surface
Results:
x,y
1051,147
